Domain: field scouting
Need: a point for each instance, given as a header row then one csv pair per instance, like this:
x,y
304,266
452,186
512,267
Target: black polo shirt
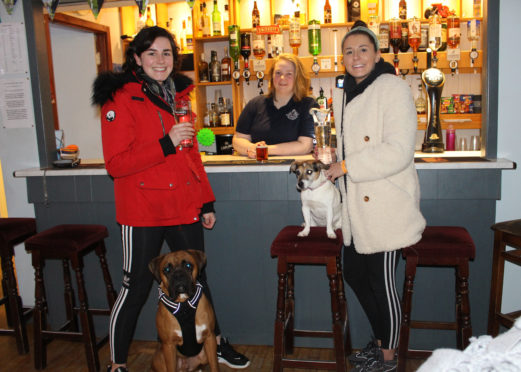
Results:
x,y
264,122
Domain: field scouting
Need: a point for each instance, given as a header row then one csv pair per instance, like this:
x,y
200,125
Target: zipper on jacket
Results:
x,y
162,124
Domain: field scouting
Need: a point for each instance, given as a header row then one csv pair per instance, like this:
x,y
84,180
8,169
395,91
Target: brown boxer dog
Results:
x,y
185,344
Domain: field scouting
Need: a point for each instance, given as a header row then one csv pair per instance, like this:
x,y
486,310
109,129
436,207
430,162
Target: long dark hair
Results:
x,y
143,40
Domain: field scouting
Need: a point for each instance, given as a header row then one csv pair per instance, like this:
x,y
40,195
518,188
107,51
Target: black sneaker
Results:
x,y
119,369
377,364
367,353
227,355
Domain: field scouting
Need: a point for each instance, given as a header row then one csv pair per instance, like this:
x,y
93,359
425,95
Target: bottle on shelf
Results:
x,y
420,102
395,35
372,7
402,9
277,43
321,99
443,46
245,53
453,40
189,36
204,75
353,12
295,39
258,45
434,34
424,40
234,44
149,22
215,68
328,15
216,20
200,20
404,45
383,37
226,66
414,39
255,15
374,24
182,38
226,16
206,22
224,113
214,116
476,9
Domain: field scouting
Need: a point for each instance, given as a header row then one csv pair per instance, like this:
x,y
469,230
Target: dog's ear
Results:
x,y
293,167
154,267
200,258
318,166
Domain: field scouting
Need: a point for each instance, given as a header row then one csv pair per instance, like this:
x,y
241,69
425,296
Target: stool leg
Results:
x,y
343,307
336,315
87,325
14,308
289,312
408,288
496,287
40,317
5,291
111,293
464,331
278,342
70,302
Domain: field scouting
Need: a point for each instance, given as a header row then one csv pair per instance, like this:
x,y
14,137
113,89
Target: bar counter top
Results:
x,y
238,164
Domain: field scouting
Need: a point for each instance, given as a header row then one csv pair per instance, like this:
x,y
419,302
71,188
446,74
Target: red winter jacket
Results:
x,y
151,189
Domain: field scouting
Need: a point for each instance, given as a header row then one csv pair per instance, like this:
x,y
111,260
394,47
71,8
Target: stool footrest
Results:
x,y
433,325
512,256
423,354
94,311
308,364
509,318
6,331
71,336
310,333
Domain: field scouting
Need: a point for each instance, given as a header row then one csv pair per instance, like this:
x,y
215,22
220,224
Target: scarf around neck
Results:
x,y
165,90
352,89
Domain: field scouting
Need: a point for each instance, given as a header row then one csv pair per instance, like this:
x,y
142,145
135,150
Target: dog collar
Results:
x,y
319,186
173,306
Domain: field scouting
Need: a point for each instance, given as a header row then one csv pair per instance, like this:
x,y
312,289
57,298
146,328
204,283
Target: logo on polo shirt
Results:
x,y
292,115
110,116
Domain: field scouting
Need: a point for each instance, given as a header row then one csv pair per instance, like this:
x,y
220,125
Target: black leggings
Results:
x,y
372,278
140,246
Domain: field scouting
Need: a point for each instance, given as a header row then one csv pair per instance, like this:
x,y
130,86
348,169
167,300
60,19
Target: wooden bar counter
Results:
x,y
253,203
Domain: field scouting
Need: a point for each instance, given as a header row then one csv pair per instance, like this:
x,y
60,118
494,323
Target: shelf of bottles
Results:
x,y
276,26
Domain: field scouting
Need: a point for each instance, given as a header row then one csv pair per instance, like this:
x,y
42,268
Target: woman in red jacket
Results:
x,y
161,189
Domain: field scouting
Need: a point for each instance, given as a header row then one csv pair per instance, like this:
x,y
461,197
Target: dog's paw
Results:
x,y
331,235
303,233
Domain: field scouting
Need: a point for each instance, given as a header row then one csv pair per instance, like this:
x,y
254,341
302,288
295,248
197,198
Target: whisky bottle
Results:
x,y
353,13
206,22
216,20
294,33
226,16
322,100
328,16
203,70
226,66
383,37
402,6
255,15
259,48
215,68
189,35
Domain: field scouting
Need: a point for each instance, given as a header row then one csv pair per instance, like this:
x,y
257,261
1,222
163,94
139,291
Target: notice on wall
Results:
x,y
13,53
15,103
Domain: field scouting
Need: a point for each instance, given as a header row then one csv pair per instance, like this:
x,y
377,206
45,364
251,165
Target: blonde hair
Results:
x,y
302,80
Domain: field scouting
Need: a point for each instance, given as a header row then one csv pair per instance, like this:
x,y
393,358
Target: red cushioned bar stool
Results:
x,y
69,243
14,231
442,246
505,233
315,249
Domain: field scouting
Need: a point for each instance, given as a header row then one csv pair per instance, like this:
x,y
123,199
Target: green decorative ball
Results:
x,y
205,137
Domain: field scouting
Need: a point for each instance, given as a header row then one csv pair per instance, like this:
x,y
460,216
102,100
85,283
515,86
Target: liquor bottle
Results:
x,y
353,13
414,39
258,45
214,116
314,43
476,9
255,15
200,20
404,45
226,16
395,35
245,53
277,44
216,20
434,31
453,31
383,37
226,66
234,43
189,35
328,16
402,9
372,7
420,102
443,36
182,37
473,34
206,22
204,75
374,24
215,68
322,100
224,113
149,22
269,47
294,33
424,39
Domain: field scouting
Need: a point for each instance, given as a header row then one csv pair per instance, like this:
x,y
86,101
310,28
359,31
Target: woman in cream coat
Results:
x,y
376,132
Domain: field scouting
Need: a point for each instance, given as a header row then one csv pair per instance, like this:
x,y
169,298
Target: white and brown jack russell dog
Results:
x,y
320,198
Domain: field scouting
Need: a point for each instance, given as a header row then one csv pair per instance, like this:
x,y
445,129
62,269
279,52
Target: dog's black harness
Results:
x,y
185,315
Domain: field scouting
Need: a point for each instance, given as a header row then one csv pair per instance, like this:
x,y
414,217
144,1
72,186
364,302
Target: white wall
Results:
x,y
509,135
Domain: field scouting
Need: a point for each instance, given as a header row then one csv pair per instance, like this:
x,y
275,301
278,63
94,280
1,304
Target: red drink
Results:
x,y
262,153
183,114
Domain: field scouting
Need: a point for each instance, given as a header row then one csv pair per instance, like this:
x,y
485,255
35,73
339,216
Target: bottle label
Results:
x,y
403,12
454,33
372,8
258,44
217,27
225,119
415,29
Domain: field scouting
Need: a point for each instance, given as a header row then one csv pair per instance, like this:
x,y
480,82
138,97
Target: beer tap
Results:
x,y
414,40
314,43
473,34
245,53
453,40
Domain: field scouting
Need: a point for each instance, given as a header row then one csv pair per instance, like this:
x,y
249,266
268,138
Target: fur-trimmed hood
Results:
x,y
108,83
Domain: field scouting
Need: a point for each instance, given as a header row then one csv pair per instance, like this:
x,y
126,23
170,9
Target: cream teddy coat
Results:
x,y
381,207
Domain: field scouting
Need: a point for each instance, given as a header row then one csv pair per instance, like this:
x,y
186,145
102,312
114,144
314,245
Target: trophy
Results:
x,y
433,78
322,119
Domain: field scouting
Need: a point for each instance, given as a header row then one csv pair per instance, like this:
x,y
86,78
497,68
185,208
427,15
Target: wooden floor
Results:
x,y
69,356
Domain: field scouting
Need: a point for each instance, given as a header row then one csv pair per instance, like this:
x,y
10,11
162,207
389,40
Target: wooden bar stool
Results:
x,y
439,246
314,249
14,231
505,233
69,243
